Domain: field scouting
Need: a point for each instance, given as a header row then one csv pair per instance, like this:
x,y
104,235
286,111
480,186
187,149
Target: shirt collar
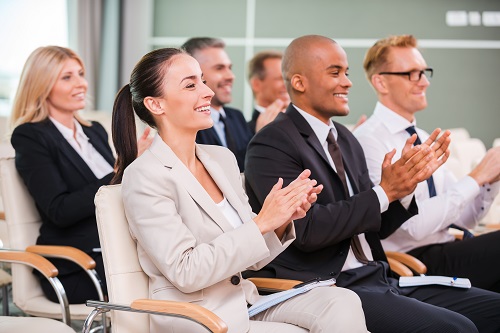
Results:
x,y
320,128
215,114
393,121
68,132
259,108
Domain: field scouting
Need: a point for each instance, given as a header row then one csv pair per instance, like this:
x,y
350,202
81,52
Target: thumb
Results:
x,y
388,158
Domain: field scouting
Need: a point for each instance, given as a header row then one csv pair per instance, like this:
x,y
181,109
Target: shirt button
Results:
x,y
235,279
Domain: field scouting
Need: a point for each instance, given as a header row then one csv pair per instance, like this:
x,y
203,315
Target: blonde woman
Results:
x,y
62,159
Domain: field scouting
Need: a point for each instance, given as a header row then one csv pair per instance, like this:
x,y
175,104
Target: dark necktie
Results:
x,y
336,154
229,138
432,189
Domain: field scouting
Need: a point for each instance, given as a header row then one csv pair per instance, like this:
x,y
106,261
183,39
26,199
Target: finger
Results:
x,y
277,186
430,140
388,158
409,144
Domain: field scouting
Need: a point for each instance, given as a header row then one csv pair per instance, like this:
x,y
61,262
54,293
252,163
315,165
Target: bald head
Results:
x,y
315,69
299,55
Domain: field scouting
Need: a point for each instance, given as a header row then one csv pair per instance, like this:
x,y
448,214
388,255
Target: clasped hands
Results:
x,y
417,163
285,204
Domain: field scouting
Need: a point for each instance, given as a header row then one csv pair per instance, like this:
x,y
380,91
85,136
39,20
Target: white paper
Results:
x,y
265,302
410,281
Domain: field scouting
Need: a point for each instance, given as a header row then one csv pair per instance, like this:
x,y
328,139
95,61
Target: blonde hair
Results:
x,y
376,57
38,77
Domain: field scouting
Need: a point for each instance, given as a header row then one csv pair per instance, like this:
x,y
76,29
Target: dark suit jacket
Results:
x,y
61,184
237,126
253,122
284,149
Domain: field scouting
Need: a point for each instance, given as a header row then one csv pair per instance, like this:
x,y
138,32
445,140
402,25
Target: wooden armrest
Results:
x,y
413,263
399,268
194,311
31,259
64,252
273,285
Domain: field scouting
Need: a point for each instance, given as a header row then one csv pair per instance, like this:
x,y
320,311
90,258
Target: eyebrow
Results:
x,y
335,67
191,77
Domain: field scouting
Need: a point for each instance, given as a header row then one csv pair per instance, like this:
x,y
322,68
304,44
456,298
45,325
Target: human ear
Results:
x,y
297,82
255,84
153,105
379,83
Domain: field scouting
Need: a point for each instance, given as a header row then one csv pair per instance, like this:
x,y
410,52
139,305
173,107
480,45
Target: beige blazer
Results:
x,y
186,245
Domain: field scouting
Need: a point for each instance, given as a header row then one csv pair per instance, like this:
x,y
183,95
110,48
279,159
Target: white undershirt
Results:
x,y
99,166
230,213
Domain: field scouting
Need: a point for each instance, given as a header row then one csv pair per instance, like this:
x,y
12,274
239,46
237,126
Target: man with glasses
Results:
x,y
400,77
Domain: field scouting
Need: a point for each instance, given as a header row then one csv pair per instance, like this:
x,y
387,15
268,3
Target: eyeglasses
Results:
x,y
414,76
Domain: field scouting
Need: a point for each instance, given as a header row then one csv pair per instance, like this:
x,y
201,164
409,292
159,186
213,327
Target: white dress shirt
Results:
x,y
99,166
461,202
321,130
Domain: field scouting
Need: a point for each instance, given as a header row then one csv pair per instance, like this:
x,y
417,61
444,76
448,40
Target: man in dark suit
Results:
x,y
268,87
340,235
230,128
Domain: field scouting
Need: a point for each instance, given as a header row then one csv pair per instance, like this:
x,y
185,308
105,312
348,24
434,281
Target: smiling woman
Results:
x,y
62,159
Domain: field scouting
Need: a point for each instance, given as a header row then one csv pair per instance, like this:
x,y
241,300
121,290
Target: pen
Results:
x,y
453,281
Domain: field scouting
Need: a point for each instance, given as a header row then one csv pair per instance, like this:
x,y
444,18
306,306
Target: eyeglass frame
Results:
x,y
420,73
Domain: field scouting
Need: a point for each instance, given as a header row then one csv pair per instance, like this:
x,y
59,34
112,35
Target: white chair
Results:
x,y
496,142
124,271
32,325
459,134
468,153
23,223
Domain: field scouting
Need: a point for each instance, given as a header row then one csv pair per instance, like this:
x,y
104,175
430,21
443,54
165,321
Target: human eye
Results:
x,y
204,82
190,86
66,77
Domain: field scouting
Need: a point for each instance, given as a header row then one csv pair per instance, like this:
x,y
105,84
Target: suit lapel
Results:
x,y
98,143
67,150
307,132
180,172
311,138
222,181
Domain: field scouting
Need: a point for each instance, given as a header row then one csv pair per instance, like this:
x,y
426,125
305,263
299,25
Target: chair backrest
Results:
x,y
468,152
23,224
125,278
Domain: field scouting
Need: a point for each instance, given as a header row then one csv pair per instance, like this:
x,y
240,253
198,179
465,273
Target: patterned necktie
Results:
x,y
229,138
432,189
336,154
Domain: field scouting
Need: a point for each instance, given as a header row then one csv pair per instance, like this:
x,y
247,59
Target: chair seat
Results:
x,y
28,324
41,307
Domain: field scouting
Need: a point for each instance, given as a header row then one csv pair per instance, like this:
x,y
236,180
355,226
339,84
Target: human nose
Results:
x,y
208,93
346,82
228,74
424,80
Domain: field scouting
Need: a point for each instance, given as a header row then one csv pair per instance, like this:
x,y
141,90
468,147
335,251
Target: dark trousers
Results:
x,y
389,308
474,258
78,286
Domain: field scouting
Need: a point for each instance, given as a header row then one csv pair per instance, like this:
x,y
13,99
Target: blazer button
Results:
x,y
333,273
235,279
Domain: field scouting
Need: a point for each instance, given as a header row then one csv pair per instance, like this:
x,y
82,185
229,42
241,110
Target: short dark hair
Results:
x,y
193,45
256,64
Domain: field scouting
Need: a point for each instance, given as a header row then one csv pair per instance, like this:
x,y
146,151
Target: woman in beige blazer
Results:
x,y
187,210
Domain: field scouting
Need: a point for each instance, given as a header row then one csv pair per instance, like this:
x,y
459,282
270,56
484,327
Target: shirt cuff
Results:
x,y
468,187
382,198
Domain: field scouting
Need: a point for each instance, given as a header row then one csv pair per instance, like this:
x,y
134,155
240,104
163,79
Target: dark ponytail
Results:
x,y
123,132
147,79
